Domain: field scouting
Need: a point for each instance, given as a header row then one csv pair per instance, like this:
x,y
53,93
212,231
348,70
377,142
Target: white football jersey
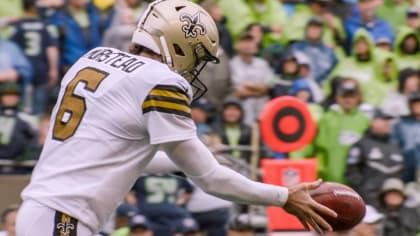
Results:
x,y
113,110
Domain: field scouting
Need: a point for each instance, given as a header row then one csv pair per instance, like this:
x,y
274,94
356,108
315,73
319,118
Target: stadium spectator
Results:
x,y
395,103
107,11
287,73
406,133
373,159
200,114
232,130
401,219
394,11
269,13
364,16
413,19
118,223
412,189
240,225
136,8
407,49
333,29
8,221
213,216
257,31
40,46
124,18
162,199
360,64
225,38
338,129
138,225
16,134
331,97
188,227
14,67
302,90
251,77
305,72
385,79
384,44
80,27
321,56
217,78
119,35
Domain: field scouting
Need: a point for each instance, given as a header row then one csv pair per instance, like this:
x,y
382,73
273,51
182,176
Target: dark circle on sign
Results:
x,y
284,112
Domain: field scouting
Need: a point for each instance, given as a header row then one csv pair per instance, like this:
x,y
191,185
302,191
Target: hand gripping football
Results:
x,y
342,199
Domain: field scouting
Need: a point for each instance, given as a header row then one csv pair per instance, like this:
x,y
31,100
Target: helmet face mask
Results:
x,y
183,33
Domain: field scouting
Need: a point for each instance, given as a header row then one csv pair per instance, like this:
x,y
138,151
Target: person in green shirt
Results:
x,y
269,13
385,80
407,48
340,127
359,65
232,130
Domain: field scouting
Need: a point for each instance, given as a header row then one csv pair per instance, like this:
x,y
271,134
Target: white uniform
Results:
x,y
113,110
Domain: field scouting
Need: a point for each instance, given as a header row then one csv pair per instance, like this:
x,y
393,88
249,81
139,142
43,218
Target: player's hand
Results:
x,y
306,209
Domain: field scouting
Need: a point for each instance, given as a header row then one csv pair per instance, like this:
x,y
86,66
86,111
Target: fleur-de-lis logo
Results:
x,y
65,228
192,25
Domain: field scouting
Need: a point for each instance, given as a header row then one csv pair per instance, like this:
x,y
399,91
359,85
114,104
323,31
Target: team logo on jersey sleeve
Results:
x,y
192,25
65,225
167,99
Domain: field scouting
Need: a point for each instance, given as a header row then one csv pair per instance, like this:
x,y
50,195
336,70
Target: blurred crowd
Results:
x,y
355,63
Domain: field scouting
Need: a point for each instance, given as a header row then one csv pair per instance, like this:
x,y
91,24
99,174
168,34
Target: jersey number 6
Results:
x,y
73,106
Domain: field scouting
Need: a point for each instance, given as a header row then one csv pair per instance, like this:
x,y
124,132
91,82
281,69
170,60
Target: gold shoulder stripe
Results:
x,y
169,94
167,99
170,91
165,104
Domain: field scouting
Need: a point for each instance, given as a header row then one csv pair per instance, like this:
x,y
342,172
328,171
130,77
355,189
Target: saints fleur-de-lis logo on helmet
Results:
x,y
192,25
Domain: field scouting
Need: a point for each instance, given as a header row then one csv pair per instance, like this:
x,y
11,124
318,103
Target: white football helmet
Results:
x,y
183,33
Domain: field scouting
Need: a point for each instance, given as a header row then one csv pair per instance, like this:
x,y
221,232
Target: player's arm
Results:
x,y
196,161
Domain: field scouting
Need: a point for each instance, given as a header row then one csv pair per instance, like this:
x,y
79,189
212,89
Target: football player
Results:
x,y
116,109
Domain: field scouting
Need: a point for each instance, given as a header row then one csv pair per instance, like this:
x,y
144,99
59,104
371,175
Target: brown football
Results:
x,y
342,199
